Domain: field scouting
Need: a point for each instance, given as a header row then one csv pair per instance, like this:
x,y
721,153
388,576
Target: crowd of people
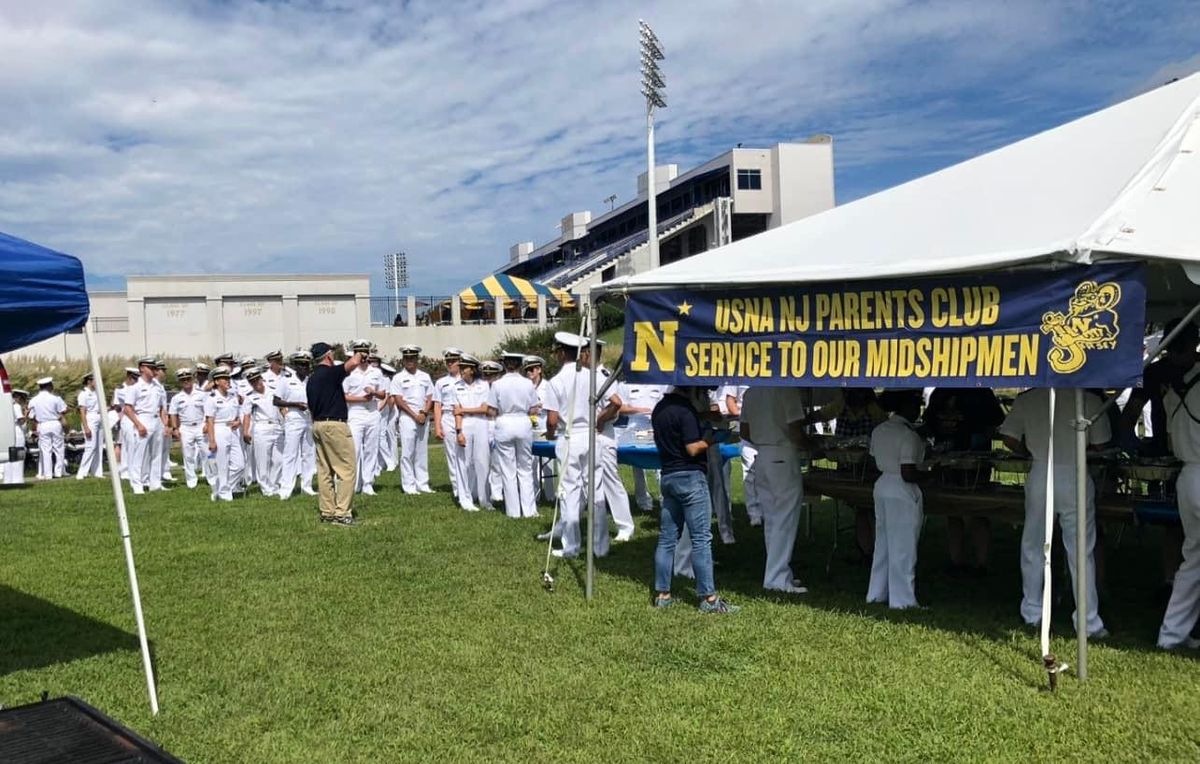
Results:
x,y
309,418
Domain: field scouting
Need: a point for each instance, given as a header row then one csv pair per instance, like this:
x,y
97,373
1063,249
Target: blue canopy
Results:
x,y
41,293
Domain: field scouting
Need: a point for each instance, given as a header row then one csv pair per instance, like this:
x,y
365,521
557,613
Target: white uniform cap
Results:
x,y
45,381
131,370
567,339
360,345
532,360
410,350
518,357
469,360
387,369
452,353
490,367
220,372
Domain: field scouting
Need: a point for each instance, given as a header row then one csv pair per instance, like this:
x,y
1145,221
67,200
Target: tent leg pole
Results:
x,y
114,473
1049,661
1081,552
591,463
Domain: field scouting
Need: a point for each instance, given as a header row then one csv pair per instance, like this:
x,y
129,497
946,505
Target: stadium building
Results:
x,y
737,194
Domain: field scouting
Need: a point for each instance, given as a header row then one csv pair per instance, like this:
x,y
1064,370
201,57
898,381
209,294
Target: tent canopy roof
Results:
x,y
1123,181
503,285
42,293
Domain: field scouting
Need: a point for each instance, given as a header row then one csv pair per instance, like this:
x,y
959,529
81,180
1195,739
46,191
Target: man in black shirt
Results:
x,y
336,471
682,448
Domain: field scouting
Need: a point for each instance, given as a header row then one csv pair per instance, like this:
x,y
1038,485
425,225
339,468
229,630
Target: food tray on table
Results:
x,y
1149,472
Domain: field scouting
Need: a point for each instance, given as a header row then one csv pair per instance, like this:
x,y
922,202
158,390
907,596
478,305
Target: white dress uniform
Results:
x,y
611,496
567,394
899,513
719,477
748,455
299,454
389,435
1030,419
544,469
1183,431
643,397
513,397
92,461
475,456
188,409
248,475
224,410
125,430
14,472
364,420
443,393
45,408
266,428
144,469
163,452
417,390
768,411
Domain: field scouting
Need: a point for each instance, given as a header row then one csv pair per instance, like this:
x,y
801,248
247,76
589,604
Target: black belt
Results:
x,y
327,419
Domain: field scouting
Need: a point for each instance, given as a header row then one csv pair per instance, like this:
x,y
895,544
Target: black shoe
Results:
x,y
345,522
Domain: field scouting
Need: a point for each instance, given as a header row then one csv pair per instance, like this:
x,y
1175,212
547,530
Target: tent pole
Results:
x,y
114,473
591,462
1081,552
1048,659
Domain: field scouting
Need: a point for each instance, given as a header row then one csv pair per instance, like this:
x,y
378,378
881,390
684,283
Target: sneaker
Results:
x,y
308,492
662,603
368,490
719,606
340,522
426,489
562,555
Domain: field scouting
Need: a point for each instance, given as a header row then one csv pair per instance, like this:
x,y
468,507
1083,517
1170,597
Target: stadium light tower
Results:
x,y
395,275
652,88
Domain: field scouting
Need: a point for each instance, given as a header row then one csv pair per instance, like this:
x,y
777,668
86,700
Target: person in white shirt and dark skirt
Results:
x,y
899,511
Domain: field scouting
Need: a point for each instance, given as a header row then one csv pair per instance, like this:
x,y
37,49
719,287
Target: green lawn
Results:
x,y
425,635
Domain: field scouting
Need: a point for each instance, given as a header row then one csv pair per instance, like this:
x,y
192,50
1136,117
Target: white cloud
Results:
x,y
156,137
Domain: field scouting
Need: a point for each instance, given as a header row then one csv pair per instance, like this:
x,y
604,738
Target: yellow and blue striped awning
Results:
x,y
503,285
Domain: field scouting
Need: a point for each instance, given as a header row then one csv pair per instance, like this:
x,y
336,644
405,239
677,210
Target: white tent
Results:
x,y
1121,183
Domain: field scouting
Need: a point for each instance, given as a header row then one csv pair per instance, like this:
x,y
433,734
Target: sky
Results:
x,y
315,136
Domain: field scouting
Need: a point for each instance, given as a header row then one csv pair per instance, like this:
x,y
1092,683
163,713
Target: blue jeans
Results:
x,y
685,501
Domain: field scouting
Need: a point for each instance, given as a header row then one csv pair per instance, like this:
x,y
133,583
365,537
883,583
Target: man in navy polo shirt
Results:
x,y
682,449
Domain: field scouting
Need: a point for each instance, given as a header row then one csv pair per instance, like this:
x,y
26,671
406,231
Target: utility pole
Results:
x,y
652,88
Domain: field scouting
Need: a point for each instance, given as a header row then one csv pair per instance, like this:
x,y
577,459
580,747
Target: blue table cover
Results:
x,y
643,457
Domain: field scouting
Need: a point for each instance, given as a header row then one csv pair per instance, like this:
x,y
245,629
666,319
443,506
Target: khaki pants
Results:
x,y
336,467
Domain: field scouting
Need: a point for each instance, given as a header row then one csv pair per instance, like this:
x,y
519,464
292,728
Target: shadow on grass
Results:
x,y
35,633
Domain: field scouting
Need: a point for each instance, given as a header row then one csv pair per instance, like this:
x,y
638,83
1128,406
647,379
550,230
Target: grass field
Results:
x,y
424,635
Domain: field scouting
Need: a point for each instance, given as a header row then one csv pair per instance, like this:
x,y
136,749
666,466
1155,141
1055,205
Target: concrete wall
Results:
x,y
804,172
761,200
201,316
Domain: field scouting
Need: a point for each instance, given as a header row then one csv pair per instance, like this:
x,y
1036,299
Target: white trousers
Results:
x,y
513,456
750,483
1184,607
474,464
267,444
144,468
572,452
227,472
414,454
718,493
297,447
92,461
1034,535
164,456
495,479
125,436
610,489
364,428
780,493
388,439
899,512
51,449
450,446
194,446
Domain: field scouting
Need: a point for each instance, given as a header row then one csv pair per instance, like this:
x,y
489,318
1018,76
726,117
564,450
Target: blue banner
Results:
x,y
1080,326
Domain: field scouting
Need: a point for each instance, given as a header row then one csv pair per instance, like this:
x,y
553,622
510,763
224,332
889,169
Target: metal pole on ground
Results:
x,y
1049,661
114,473
1081,552
591,464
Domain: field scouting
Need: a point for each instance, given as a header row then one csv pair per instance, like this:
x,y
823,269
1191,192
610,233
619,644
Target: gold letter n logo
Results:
x,y
648,341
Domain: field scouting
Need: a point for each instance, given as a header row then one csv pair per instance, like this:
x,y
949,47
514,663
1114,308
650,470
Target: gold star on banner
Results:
x,y
685,308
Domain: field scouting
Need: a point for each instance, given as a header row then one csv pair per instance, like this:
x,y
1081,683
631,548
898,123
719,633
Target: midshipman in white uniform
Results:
x,y
490,371
14,472
389,426
544,470
899,505
222,420
610,489
186,413
443,416
471,428
1029,422
143,407
299,453
512,401
262,429
92,420
164,456
1183,428
640,400
364,388
47,411
413,394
